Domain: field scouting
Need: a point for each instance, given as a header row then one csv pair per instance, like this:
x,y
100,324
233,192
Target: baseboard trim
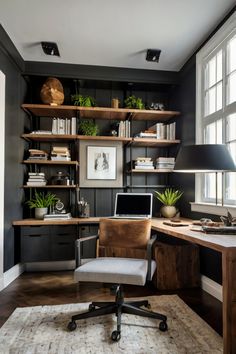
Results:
x,y
49,266
211,287
11,274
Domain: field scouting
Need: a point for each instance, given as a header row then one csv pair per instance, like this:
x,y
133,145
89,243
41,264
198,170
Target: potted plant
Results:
x,y
88,127
83,101
168,198
133,102
40,202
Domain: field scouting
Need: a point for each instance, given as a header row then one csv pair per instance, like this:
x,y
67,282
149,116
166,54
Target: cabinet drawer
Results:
x,y
35,230
35,248
64,230
63,247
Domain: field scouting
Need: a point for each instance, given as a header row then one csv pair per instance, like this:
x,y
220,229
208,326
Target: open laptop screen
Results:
x,y
133,204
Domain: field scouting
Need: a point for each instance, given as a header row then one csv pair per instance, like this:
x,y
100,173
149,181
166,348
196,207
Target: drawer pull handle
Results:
x,y
36,235
63,243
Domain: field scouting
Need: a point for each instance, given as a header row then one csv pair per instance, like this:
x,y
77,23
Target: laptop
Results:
x,y
133,206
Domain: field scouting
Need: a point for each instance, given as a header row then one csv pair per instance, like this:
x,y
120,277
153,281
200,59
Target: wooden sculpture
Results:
x,y
52,92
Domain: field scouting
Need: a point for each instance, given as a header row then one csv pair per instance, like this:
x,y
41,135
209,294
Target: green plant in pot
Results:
x,y
134,102
41,202
83,101
88,127
168,198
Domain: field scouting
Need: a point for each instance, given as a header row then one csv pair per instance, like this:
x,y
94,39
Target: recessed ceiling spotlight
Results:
x,y
153,55
50,48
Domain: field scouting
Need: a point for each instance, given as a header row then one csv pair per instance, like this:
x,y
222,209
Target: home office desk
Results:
x,y
226,245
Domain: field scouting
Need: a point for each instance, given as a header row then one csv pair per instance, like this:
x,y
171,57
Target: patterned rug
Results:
x,y
43,330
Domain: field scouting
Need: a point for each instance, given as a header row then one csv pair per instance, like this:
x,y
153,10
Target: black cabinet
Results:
x,y
48,243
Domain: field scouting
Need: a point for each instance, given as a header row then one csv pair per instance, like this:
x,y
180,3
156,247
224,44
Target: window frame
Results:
x,y
218,41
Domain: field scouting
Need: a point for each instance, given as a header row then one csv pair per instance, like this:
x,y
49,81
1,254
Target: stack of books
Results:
x,y
60,153
143,163
36,179
166,163
36,154
147,134
163,131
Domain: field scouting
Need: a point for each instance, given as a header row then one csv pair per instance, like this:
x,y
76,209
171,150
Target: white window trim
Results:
x,y
215,41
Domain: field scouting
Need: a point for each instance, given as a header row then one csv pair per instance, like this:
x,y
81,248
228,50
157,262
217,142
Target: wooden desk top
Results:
x,y
213,241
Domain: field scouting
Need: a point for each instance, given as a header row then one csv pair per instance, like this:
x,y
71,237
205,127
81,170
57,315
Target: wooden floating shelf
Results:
x,y
66,111
53,186
69,138
153,142
49,137
50,162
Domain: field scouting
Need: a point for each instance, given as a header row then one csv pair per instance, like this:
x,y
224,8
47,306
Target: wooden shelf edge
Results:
x,y
163,170
50,162
53,186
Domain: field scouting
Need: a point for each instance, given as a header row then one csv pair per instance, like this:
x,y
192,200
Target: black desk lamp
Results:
x,y
204,158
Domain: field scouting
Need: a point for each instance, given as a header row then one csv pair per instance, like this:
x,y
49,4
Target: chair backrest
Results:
x,y
124,238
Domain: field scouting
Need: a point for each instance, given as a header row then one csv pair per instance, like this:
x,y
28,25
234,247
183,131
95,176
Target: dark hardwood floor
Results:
x,y
54,288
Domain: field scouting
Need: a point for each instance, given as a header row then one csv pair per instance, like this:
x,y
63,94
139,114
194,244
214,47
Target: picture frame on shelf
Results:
x,y
103,163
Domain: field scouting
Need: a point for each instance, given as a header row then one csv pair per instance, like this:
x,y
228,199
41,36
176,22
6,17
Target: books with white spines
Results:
x,y
73,125
48,132
36,174
165,165
143,167
36,183
54,126
165,159
144,163
60,158
146,135
60,126
62,216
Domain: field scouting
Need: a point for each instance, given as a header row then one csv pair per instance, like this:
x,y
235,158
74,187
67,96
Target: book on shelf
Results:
x,y
36,184
165,159
124,129
45,132
62,216
164,131
36,174
64,126
143,167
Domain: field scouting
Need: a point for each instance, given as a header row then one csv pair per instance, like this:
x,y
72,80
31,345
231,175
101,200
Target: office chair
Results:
x,y
132,239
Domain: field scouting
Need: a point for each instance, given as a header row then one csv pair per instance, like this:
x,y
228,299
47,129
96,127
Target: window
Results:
x,y
216,111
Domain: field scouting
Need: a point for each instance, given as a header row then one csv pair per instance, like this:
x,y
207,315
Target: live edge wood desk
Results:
x,y
221,243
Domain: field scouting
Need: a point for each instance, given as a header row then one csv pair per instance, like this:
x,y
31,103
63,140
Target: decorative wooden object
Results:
x,y
177,265
52,92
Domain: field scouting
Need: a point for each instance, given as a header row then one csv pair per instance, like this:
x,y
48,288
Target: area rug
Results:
x,y
43,330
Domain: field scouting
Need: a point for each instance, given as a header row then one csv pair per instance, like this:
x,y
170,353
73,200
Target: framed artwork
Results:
x,y
101,164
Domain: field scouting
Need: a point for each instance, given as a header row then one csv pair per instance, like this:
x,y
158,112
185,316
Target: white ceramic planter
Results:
x,y
168,211
40,212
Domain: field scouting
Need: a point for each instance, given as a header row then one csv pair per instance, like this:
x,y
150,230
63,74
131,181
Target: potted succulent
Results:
x,y
133,102
88,127
83,101
168,198
41,202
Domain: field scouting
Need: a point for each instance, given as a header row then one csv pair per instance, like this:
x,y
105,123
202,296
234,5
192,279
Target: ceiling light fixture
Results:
x,y
50,48
153,55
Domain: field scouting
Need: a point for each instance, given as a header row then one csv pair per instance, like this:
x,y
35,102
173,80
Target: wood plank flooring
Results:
x,y
54,288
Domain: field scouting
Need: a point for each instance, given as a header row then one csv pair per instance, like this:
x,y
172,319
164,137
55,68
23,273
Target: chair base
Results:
x,y
118,307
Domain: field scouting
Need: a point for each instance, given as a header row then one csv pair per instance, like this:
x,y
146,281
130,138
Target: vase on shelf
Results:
x,y
40,212
168,211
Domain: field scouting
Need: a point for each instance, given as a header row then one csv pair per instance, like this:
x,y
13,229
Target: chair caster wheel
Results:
x,y
71,326
163,326
115,336
91,307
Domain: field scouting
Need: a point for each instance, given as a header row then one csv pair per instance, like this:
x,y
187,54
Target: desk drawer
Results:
x,y
62,247
35,230
35,248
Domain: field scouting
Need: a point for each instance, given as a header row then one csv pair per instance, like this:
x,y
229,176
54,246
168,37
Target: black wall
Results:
x,y
12,65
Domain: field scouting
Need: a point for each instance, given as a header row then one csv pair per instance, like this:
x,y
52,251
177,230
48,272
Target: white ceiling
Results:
x,y
112,32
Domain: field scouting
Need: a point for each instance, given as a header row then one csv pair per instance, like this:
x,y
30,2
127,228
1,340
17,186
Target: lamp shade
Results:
x,y
204,158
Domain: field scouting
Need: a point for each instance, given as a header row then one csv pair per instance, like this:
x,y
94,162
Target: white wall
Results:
x,y
2,170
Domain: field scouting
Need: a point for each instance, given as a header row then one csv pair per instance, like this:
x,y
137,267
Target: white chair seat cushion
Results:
x,y
114,270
